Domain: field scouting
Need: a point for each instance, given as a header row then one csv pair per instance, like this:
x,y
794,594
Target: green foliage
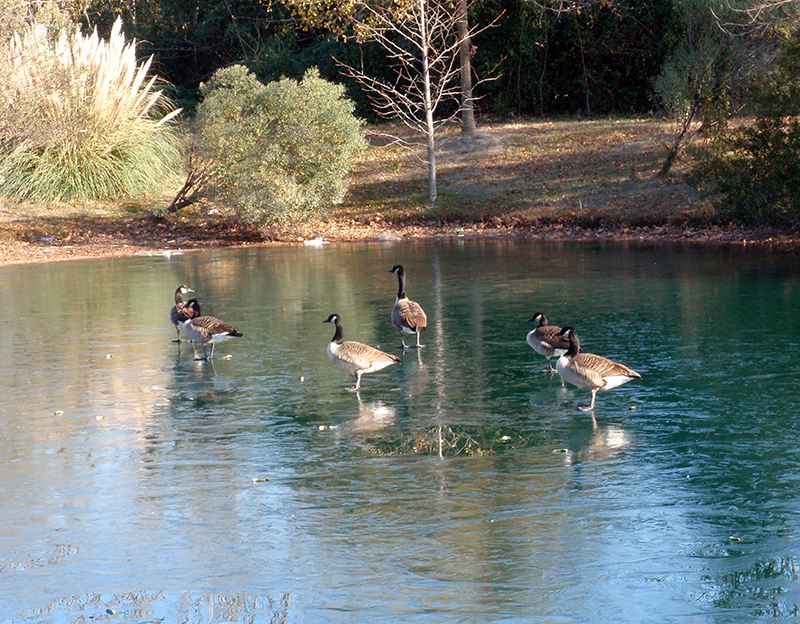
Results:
x,y
598,57
758,177
80,119
696,76
755,170
280,151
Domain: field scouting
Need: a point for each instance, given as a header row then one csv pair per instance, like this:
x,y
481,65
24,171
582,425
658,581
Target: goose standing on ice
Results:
x,y
590,371
180,311
407,316
356,357
545,339
207,329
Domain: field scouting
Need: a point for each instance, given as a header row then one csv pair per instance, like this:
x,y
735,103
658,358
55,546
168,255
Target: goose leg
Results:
x,y
205,353
419,346
590,407
357,387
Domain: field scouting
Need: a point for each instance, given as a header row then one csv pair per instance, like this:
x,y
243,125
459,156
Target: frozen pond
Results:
x,y
140,485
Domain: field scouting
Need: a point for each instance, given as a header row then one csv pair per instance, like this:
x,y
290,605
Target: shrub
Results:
x,y
758,177
755,169
281,151
80,119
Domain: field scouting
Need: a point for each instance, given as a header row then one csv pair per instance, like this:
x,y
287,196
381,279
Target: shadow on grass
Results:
x,y
590,173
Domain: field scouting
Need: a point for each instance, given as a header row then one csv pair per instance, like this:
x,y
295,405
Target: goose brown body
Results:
x,y
546,340
590,371
355,357
407,316
207,329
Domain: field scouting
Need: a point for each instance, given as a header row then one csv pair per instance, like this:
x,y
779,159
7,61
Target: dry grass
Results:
x,y
582,172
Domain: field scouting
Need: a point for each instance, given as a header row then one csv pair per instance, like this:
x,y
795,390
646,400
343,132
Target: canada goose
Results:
x,y
545,339
590,371
180,311
205,329
407,316
355,357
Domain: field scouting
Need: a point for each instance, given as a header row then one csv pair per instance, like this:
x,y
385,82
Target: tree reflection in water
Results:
x,y
759,589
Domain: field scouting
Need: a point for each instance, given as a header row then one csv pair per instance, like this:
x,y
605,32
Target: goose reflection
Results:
x,y
605,443
372,416
198,383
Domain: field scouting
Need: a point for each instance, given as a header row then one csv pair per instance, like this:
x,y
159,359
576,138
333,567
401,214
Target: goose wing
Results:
x,y
180,312
600,368
409,314
213,326
363,357
549,334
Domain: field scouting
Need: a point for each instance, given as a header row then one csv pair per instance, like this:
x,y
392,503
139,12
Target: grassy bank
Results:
x,y
586,173
566,178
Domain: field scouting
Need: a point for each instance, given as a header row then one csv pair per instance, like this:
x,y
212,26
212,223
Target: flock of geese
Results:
x,y
575,366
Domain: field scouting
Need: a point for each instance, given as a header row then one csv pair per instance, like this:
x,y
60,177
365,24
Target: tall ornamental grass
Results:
x,y
80,119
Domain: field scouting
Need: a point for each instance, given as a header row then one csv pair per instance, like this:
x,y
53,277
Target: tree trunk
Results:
x,y
465,57
676,146
429,126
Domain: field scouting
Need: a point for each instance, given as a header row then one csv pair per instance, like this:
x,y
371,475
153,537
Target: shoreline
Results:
x,y
54,250
537,179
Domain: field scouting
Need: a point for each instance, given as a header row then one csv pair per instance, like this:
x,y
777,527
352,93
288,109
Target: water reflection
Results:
x,y
158,606
460,485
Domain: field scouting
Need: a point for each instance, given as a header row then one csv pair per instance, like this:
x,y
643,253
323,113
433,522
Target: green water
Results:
x,y
137,484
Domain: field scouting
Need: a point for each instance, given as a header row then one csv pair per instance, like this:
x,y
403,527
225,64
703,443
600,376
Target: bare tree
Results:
x,y
757,17
422,42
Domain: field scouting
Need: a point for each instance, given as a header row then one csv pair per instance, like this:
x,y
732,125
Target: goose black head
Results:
x,y
194,305
539,318
332,318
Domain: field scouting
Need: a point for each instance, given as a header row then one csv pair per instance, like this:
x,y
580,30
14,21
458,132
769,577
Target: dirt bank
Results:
x,y
535,179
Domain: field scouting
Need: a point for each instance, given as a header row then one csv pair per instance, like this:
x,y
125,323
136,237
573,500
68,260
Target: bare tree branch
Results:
x,y
192,189
758,17
422,44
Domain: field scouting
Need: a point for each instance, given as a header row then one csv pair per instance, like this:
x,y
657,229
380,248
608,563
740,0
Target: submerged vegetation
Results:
x,y
447,441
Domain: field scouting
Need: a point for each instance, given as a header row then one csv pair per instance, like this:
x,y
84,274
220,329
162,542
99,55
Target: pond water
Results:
x,y
137,484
